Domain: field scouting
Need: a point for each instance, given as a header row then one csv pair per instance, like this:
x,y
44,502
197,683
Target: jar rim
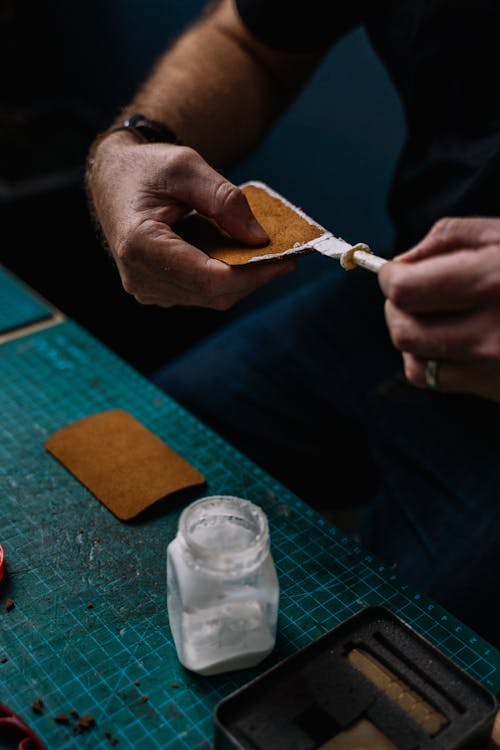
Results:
x,y
226,559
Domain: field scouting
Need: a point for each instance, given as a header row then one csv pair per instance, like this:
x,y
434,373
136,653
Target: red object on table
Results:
x,y
14,729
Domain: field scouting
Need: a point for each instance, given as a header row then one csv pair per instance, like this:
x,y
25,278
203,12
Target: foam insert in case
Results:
x,y
371,682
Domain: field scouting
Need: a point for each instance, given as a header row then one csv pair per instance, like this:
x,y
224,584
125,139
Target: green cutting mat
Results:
x,y
19,306
89,630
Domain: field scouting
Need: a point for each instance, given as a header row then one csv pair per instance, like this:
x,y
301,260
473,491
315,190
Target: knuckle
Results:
x,y
397,289
412,371
180,158
227,198
445,226
400,338
127,257
166,173
127,251
399,293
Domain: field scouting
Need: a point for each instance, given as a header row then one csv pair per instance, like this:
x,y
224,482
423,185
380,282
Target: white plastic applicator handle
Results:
x,y
361,255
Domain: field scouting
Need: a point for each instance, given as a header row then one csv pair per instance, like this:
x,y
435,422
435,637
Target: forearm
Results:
x,y
218,90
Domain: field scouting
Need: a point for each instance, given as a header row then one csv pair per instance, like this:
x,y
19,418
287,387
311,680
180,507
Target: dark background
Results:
x,y
67,70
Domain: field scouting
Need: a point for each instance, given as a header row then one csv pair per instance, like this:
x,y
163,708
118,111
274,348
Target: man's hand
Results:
x,y
443,303
139,191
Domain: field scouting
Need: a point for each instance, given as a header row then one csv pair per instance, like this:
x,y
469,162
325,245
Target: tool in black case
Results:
x,y
370,683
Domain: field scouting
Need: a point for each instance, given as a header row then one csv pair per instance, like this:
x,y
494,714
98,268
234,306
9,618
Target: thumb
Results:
x,y
202,188
229,208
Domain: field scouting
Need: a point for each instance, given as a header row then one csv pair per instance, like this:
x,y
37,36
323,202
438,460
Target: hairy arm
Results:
x,y
218,88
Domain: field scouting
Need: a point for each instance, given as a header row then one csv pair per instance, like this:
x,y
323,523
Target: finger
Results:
x,y
451,337
194,183
195,271
451,377
245,281
446,283
450,234
158,267
241,281
168,293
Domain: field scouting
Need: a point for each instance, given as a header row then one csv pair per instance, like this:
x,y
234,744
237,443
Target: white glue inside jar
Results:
x,y
222,587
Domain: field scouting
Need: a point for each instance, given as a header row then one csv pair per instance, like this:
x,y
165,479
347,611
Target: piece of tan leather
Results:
x,y
125,465
284,225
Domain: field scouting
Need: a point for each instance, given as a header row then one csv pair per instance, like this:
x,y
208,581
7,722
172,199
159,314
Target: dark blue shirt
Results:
x,y
442,56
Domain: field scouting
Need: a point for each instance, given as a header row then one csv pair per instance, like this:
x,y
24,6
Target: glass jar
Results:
x,y
222,587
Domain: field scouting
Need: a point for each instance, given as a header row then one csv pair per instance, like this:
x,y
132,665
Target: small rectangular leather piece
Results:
x,y
289,230
125,465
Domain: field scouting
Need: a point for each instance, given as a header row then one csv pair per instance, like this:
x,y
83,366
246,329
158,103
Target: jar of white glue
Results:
x,y
222,587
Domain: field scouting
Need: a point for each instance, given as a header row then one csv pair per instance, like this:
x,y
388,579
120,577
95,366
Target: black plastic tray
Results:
x,y
316,694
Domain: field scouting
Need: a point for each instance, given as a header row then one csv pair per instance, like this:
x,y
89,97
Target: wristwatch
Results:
x,y
148,131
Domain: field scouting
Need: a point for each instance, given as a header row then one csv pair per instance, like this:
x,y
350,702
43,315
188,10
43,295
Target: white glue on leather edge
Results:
x,y
327,244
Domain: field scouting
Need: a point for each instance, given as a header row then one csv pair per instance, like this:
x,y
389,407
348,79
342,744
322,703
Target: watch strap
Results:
x,y
148,131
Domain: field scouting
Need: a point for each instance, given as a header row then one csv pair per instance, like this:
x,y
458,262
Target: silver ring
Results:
x,y
431,374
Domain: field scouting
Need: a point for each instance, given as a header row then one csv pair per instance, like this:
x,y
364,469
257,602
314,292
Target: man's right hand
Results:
x,y
139,191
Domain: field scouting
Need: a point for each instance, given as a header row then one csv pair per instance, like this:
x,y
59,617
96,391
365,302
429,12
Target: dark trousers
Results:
x,y
311,388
